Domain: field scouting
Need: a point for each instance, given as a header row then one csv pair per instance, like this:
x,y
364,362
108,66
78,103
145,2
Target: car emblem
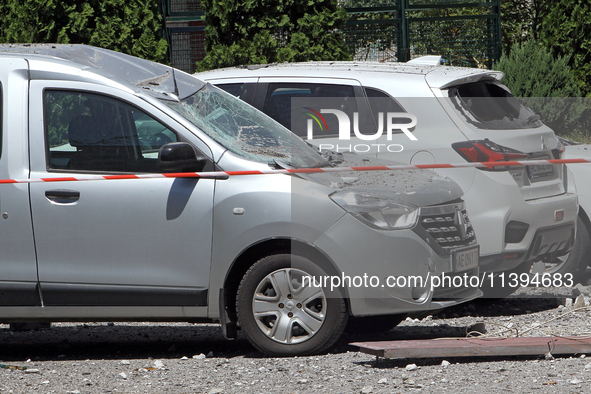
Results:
x,y
462,225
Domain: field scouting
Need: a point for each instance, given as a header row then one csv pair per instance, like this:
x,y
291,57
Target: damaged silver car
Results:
x,y
262,252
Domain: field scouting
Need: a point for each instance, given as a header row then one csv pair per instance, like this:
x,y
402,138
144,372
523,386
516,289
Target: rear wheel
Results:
x,y
281,314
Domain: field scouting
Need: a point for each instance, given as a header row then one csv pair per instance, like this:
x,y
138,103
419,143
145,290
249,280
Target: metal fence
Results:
x,y
185,32
186,46
183,7
463,32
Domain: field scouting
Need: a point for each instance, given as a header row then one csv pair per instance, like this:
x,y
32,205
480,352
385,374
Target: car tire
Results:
x,y
281,316
373,324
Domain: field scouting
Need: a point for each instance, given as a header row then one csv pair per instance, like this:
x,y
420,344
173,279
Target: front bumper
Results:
x,y
362,252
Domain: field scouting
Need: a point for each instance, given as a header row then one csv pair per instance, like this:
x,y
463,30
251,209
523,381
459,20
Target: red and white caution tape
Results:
x,y
225,174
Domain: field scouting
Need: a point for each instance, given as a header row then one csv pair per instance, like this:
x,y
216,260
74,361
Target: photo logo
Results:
x,y
392,120
315,116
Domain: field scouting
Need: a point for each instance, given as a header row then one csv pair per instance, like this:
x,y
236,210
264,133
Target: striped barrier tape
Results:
x,y
225,174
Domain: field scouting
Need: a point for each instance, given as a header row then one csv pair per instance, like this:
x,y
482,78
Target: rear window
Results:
x,y
489,105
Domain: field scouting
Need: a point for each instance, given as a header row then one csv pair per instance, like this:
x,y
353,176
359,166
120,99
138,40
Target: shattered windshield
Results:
x,y
243,130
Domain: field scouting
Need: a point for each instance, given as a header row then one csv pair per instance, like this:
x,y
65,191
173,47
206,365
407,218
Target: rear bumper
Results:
x,y
506,225
547,243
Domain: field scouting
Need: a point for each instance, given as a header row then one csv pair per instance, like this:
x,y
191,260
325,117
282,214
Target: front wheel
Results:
x,y
284,314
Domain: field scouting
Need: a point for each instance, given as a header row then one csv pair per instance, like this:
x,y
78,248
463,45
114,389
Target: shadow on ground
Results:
x,y
170,341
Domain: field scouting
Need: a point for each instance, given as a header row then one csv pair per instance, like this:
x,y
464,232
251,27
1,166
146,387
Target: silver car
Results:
x,y
522,215
124,198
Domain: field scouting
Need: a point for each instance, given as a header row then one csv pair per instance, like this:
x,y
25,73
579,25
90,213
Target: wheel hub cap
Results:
x,y
285,310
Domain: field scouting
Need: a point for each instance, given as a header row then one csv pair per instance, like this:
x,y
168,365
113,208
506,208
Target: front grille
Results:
x,y
448,225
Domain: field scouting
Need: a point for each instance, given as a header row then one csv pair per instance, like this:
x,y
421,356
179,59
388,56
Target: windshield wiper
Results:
x,y
279,165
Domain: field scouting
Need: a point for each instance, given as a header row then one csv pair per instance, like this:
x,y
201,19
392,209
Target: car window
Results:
x,y
91,132
489,105
244,130
235,89
243,91
279,95
381,102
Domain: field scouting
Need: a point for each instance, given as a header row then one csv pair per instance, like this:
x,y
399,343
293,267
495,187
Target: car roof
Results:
x,y
436,76
130,71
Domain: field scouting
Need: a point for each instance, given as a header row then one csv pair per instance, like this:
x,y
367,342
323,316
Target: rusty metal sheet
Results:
x,y
476,347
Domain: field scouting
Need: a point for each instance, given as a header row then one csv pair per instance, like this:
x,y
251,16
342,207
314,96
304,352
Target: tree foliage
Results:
x,y
265,31
547,87
546,76
521,21
128,26
566,30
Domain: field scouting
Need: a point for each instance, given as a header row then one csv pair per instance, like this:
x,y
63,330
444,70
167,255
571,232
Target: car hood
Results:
x,y
417,187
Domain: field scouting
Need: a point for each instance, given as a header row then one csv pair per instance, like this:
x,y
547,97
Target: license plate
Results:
x,y
465,259
539,171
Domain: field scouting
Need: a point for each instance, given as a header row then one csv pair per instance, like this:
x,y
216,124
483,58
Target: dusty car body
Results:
x,y
521,214
228,249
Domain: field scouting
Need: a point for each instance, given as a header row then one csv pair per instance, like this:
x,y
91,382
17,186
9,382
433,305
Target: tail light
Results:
x,y
487,151
557,153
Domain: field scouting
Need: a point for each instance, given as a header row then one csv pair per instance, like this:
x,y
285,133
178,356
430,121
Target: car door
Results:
x,y
18,269
125,242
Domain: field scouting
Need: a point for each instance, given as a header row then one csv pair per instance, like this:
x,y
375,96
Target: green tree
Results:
x,y
265,31
546,84
521,20
566,30
129,26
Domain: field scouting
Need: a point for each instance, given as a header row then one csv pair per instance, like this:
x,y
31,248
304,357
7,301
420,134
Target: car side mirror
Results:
x,y
180,157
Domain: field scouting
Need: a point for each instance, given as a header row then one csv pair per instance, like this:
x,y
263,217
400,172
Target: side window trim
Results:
x,y
260,95
387,96
120,107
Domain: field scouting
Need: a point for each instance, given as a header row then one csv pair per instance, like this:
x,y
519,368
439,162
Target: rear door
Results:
x,y
300,105
117,242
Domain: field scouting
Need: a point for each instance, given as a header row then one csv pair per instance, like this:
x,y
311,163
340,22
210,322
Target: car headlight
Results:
x,y
377,211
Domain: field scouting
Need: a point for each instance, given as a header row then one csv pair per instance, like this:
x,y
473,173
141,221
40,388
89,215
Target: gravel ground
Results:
x,y
192,358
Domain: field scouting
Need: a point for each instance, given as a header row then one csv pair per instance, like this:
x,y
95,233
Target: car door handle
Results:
x,y
62,196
